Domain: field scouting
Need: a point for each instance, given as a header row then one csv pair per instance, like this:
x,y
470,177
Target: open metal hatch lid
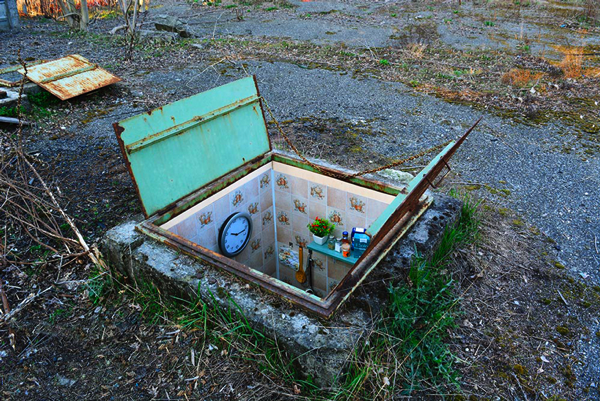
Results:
x,y
176,149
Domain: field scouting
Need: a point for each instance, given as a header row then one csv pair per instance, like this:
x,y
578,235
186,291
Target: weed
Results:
x,y
384,62
43,99
393,15
40,103
8,112
57,313
520,77
271,9
99,284
223,326
488,23
408,346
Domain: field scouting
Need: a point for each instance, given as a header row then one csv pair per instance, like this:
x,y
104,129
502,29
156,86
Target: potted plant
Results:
x,y
320,229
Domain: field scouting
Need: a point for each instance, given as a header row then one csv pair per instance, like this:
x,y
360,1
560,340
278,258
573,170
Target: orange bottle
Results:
x,y
345,244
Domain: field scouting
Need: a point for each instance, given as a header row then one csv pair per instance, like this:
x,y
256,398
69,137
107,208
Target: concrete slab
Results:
x,y
322,348
12,98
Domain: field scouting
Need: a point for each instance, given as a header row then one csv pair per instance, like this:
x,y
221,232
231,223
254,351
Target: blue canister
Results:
x,y
360,241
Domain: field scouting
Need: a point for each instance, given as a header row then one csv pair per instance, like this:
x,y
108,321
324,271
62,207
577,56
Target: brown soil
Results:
x,y
523,316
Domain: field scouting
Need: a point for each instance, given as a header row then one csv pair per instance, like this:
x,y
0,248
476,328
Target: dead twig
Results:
x,y
563,298
30,298
6,306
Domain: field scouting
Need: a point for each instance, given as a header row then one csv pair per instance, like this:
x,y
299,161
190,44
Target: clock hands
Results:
x,y
239,232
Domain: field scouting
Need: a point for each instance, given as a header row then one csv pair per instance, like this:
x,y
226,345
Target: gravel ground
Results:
x,y
382,23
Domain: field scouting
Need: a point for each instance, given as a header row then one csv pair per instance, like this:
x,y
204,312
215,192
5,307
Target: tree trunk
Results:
x,y
85,16
67,12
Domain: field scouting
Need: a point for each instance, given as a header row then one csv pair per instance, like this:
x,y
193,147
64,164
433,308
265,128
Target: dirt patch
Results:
x,y
67,346
523,317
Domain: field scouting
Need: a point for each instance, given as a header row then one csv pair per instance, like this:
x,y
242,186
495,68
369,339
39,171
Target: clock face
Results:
x,y
235,233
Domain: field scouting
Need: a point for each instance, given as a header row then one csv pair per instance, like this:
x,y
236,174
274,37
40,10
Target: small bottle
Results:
x,y
345,244
331,243
346,249
345,238
338,245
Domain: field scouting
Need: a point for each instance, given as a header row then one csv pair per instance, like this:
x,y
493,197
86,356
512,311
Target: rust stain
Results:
x,y
119,132
69,76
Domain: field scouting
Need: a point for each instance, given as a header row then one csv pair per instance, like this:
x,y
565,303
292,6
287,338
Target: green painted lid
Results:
x,y
178,148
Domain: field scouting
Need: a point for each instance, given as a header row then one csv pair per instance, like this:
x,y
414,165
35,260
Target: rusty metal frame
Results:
x,y
402,219
410,204
322,307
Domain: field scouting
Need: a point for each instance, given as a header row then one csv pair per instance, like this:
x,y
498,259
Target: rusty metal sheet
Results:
x,y
69,76
13,69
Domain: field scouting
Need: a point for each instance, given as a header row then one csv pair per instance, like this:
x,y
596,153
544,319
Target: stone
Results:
x,y
12,99
64,381
397,175
172,24
321,348
162,36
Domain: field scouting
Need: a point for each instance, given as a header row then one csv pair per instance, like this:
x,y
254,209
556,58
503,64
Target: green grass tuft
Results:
x,y
409,342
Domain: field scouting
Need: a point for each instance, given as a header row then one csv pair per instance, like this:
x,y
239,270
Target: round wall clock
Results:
x,y
235,233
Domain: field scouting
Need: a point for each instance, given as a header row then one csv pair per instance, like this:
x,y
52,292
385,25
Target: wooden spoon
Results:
x,y
300,275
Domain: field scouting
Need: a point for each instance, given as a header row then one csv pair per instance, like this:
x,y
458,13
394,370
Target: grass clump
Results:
x,y
407,351
8,112
220,320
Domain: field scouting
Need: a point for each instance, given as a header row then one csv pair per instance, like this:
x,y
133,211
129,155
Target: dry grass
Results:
x,y
416,50
520,77
462,95
572,63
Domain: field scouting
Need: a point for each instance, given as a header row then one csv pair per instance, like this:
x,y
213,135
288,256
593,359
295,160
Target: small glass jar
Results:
x,y
331,243
338,245
346,249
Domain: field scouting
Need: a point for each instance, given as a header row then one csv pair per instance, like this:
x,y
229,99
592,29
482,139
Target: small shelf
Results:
x,y
351,260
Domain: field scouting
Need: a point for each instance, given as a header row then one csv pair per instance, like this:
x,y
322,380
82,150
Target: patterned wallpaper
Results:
x,y
254,197
281,206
